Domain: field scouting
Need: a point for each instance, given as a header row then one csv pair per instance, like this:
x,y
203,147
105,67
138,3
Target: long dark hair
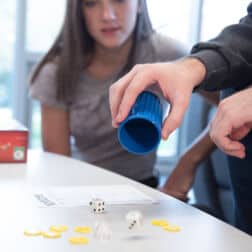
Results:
x,y
74,46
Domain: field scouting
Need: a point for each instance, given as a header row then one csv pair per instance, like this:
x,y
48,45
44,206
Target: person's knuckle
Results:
x,y
114,88
137,67
224,109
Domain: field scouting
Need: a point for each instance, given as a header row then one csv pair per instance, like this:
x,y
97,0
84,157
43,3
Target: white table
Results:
x,y
200,232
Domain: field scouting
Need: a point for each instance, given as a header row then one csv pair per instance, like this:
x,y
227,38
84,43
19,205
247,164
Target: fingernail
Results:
x,y
114,124
164,136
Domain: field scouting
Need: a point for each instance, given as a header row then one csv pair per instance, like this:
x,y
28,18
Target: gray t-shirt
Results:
x,y
94,139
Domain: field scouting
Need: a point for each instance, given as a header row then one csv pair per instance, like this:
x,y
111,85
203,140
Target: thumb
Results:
x,y
174,118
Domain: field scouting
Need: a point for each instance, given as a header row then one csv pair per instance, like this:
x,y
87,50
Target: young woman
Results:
x,y
99,42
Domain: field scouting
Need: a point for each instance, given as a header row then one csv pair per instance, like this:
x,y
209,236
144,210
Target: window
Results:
x,y
172,18
7,38
41,32
44,19
218,14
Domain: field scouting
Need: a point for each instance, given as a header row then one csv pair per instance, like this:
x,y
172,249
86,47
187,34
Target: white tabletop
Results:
x,y
200,232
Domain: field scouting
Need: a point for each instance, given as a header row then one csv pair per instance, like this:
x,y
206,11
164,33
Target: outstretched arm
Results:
x,y
182,177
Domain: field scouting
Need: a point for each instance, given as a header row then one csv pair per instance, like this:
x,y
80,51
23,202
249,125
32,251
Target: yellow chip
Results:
x,y
172,228
163,223
155,222
83,229
32,232
78,240
160,223
51,234
59,229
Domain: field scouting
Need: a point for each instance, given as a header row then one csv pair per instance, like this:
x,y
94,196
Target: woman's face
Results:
x,y
110,22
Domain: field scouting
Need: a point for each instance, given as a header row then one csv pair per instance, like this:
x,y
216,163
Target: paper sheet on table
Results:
x,y
71,196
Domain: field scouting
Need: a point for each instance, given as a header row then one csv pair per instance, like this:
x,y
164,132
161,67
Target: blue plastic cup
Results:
x,y
140,132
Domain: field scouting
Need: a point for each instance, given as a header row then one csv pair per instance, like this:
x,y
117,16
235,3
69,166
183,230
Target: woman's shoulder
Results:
x,y
44,78
44,86
46,71
164,48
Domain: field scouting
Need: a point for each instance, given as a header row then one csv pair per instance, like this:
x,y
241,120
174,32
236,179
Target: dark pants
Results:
x,y
241,180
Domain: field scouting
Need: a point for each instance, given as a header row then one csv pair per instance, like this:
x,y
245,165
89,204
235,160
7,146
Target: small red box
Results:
x,y
13,142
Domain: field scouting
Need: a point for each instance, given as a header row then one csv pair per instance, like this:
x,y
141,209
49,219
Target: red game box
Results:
x,y
13,142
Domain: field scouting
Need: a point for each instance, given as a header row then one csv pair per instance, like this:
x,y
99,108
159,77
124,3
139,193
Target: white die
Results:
x,y
134,218
97,205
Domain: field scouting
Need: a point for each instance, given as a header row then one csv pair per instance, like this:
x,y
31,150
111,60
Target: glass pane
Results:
x,y
7,40
171,18
216,16
41,33
44,19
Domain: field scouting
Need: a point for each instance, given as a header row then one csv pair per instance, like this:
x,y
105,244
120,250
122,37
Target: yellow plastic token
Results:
x,y
51,234
160,223
59,228
78,240
83,229
172,228
163,223
155,222
32,232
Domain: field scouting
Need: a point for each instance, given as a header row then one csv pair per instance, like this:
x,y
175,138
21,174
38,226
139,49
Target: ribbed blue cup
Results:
x,y
140,132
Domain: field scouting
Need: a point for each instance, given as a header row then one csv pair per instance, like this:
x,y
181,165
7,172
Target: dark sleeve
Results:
x,y
228,57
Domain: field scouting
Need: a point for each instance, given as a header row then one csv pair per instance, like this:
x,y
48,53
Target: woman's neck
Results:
x,y
106,62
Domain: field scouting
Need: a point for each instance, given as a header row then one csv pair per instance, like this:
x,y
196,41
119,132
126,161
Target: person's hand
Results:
x,y
175,80
181,179
232,122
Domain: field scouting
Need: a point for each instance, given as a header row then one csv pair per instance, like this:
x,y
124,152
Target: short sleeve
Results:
x,y
159,48
44,87
167,49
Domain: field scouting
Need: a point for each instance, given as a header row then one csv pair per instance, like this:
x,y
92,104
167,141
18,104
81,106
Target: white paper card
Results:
x,y
71,196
